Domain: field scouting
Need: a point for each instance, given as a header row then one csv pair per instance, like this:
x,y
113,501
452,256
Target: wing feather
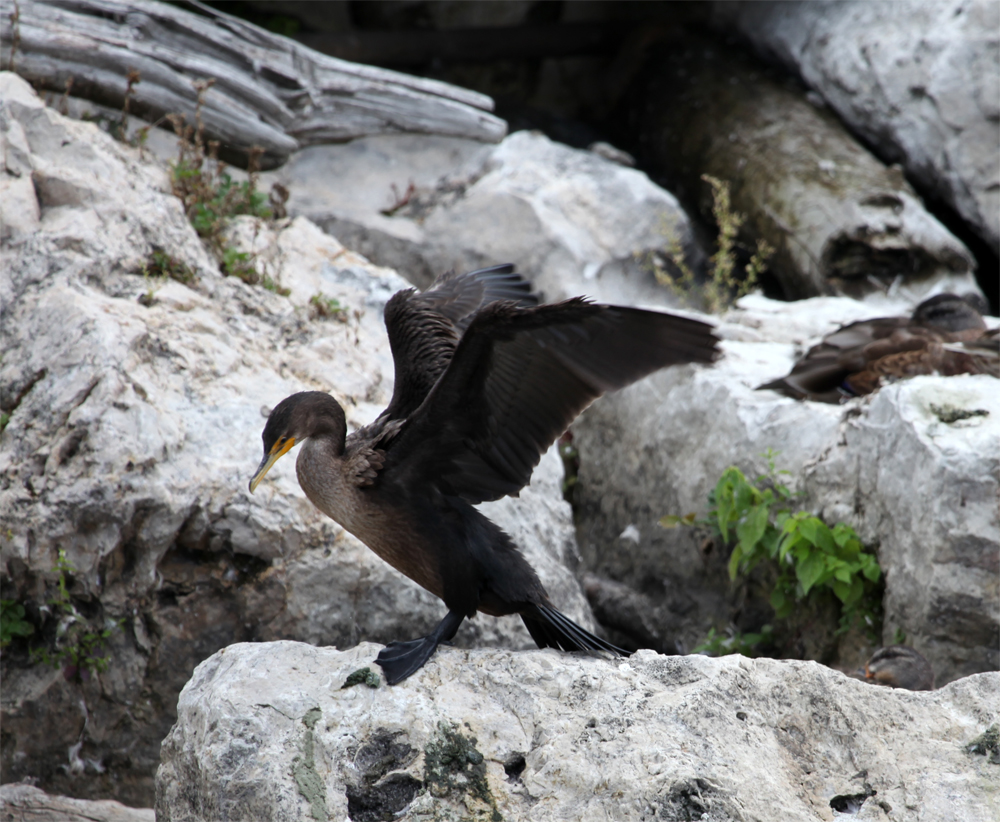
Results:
x,y
424,328
518,378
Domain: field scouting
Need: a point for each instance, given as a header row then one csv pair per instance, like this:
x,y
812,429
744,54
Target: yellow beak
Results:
x,y
279,449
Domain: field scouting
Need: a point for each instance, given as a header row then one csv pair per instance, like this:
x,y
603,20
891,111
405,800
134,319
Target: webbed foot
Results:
x,y
399,660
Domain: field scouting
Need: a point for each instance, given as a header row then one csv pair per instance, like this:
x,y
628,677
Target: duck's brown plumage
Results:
x,y
946,335
900,666
486,380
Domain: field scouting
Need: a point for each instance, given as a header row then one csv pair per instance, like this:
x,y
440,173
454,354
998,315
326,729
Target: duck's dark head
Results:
x,y
950,312
900,666
302,415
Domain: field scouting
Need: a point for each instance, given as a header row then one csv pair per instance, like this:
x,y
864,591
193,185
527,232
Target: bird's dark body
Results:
x,y
485,382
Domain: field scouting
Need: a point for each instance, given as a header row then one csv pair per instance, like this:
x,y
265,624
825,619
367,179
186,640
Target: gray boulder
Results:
x,y
135,409
922,489
267,732
573,219
918,81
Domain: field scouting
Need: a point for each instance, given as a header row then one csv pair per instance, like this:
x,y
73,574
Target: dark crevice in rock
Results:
x,y
383,801
11,396
514,766
851,803
698,798
375,798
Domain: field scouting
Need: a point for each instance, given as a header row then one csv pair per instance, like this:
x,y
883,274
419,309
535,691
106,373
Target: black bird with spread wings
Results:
x,y
485,381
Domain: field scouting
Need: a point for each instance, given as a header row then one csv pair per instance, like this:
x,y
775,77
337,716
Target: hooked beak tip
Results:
x,y
269,459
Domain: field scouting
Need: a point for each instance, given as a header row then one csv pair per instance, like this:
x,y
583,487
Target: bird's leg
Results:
x,y
400,659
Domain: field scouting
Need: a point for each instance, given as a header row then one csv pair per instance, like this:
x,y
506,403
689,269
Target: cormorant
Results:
x,y
485,381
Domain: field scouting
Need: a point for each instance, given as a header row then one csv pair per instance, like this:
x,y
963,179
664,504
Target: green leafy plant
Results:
x,y
79,644
722,287
733,642
161,264
12,622
330,307
211,197
807,557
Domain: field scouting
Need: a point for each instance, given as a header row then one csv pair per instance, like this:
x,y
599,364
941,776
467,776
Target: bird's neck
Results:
x,y
320,470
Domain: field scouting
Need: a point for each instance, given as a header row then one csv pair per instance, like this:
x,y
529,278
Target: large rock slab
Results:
x,y
136,406
25,802
572,218
919,82
921,489
840,221
266,732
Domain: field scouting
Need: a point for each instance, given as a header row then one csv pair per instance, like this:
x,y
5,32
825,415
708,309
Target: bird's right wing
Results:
x,y
459,297
517,380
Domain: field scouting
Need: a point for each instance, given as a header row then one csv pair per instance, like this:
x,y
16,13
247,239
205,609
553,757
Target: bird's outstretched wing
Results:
x,y
424,328
518,378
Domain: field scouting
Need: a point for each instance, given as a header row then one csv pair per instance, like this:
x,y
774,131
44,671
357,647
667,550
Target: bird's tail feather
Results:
x,y
551,629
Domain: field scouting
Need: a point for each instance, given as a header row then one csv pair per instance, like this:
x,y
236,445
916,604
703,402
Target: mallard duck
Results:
x,y
945,335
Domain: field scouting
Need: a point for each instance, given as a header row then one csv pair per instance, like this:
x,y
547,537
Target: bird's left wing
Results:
x,y
518,378
424,328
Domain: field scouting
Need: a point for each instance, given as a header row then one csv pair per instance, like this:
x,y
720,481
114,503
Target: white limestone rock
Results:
x,y
922,490
266,731
573,220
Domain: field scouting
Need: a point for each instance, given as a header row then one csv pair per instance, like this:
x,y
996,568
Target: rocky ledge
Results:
x,y
269,731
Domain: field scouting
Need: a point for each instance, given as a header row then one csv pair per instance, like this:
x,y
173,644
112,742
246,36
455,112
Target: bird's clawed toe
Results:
x,y
399,660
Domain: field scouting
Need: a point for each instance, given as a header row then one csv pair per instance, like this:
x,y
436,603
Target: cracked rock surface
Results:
x,y
919,85
266,732
136,406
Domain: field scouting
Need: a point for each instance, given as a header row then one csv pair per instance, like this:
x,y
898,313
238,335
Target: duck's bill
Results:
x,y
280,449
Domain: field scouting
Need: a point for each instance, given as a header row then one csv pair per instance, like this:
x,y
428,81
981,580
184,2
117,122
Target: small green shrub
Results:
x,y
722,288
211,197
329,307
734,642
12,622
807,557
161,264
79,644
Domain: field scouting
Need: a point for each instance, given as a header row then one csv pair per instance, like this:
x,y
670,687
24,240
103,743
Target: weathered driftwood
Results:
x,y
841,221
269,90
23,801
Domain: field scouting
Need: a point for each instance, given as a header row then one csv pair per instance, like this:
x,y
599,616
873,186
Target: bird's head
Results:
x,y
295,418
951,313
900,666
